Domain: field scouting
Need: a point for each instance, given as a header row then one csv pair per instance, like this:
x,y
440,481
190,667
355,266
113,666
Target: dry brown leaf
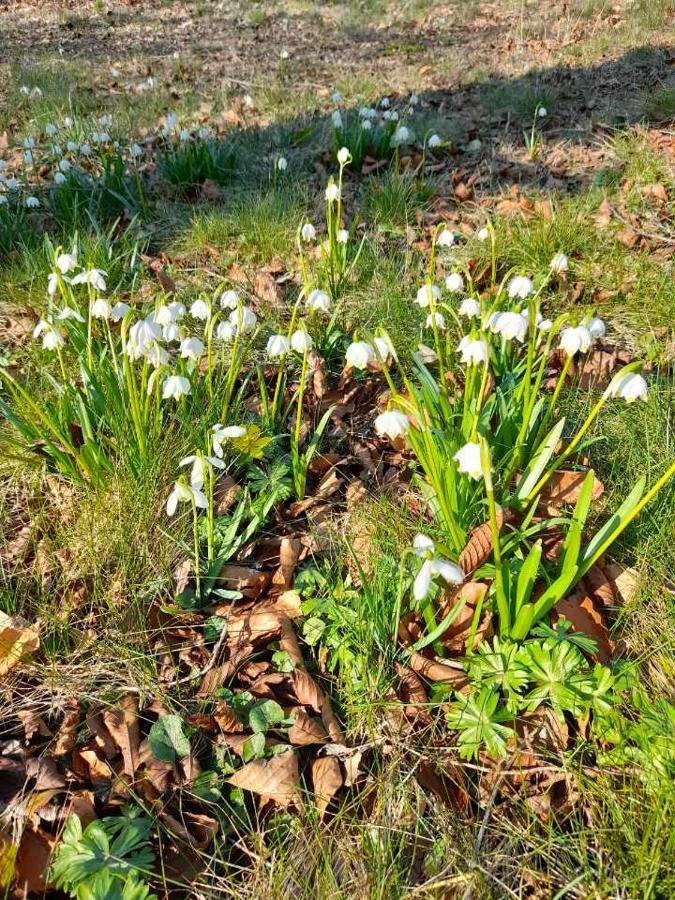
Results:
x,y
447,783
98,771
306,730
250,582
599,585
276,778
288,642
226,718
224,495
18,641
289,553
431,669
66,736
580,610
32,861
479,546
101,735
33,724
195,829
327,780
211,191
266,287
565,486
414,694
471,594
624,580
122,723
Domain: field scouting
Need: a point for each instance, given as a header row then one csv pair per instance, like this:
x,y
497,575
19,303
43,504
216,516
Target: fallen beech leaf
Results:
x,y
455,637
448,786
66,736
624,580
32,860
308,693
224,496
565,487
479,546
101,735
289,642
100,772
413,693
436,671
196,829
266,288
211,191
599,585
45,772
463,192
122,723
276,778
327,780
17,642
305,730
12,780
580,610
226,718
33,724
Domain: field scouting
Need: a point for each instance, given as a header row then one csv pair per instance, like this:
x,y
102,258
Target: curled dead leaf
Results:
x,y
479,546
327,780
276,778
581,611
18,641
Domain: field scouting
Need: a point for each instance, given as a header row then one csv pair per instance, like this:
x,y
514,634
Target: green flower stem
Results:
x,y
195,535
502,605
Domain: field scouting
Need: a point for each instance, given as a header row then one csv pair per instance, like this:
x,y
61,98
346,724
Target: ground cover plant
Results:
x,y
336,456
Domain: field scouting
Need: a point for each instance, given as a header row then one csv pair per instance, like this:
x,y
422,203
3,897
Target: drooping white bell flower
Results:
x,y
359,354
431,567
384,348
119,311
52,339
629,387
575,340
510,325
422,298
200,309
52,283
308,232
157,356
229,300
318,301
437,319
32,202
244,319
474,351
175,386
401,136
468,460
469,308
342,236
163,315
301,341
222,433
51,129
519,287
191,348
434,141
93,277
332,192
343,156
278,345
454,283
282,164
172,333
597,328
201,465
446,238
559,263
66,262
392,424
69,313
545,325
336,116
225,331
59,178
184,493
542,112
142,335
101,309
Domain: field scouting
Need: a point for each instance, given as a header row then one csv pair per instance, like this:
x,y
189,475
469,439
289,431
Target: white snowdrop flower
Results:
x,y
59,178
629,387
142,335
106,120
94,277
225,331
575,340
28,157
3,200
191,348
559,263
66,262
177,310
401,136
222,433
57,149
163,315
469,308
72,147
244,319
385,103
119,311
436,318
367,112
308,232
229,300
85,149
183,493
434,141
336,96
65,165
597,328
171,120
32,202
468,460
390,115
359,354
29,143
332,192
36,93
12,184
277,345
67,121
366,125
101,309
282,164
384,348
342,236
519,287
52,283
135,151
454,283
51,129
392,424
545,325
343,156
69,313
184,135
414,100
175,386
24,90
511,325
200,309
448,571
201,466
301,341
446,238
336,116
171,333
424,293
474,351
318,301
204,133
157,356
423,545
542,112
51,338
